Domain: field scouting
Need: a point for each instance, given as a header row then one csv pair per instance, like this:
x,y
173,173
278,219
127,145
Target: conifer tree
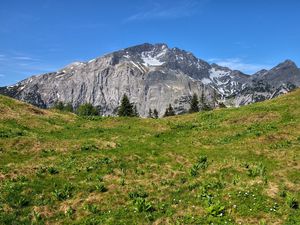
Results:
x,y
155,114
59,106
135,111
204,105
215,98
68,107
194,105
150,113
169,111
126,108
87,110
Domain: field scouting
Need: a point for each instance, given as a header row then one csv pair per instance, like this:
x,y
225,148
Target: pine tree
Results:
x,y
59,106
155,114
194,105
135,111
126,108
204,105
150,113
215,98
87,110
68,107
169,111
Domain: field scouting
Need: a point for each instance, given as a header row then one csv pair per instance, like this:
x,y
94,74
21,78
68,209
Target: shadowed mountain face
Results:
x,y
153,76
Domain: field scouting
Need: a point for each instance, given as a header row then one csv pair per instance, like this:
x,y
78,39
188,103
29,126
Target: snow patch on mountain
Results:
x,y
151,61
215,73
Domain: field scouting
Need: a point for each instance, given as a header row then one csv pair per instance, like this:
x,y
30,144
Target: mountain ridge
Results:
x,y
153,76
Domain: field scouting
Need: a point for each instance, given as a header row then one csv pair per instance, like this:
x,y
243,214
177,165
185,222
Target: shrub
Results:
x,y
138,194
87,110
101,188
52,170
22,201
216,209
64,193
257,170
122,181
194,171
235,179
89,147
37,216
69,211
142,205
63,107
292,202
12,133
92,208
200,164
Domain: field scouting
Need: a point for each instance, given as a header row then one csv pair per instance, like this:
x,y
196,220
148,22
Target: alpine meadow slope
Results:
x,y
226,166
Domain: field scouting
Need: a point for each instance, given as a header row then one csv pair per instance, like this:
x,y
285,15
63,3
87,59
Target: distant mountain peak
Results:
x,y
285,64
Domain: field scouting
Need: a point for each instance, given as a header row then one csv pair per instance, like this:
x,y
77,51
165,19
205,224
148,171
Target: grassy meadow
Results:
x,y
227,166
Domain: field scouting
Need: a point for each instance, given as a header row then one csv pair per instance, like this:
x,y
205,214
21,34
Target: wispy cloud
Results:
x,y
156,10
240,64
26,58
18,65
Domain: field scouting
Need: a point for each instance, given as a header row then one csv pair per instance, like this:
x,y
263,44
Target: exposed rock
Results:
x,y
152,76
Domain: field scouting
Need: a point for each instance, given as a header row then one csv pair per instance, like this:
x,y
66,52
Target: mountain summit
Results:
x,y
153,76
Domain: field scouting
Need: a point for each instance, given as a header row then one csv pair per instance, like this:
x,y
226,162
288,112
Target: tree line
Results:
x,y
128,109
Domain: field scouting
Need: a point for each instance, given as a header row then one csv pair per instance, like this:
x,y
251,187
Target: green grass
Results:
x,y
227,166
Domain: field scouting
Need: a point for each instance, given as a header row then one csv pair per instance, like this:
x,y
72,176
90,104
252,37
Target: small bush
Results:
x,y
216,209
87,110
92,208
201,163
69,212
101,188
257,170
89,147
292,202
64,193
52,170
22,201
11,133
142,205
138,194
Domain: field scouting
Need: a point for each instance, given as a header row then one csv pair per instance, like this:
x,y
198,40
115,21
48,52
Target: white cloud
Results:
x,y
240,64
24,58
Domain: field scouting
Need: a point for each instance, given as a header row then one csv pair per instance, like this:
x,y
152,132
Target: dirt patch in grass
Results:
x,y
2,176
43,211
272,190
36,111
255,118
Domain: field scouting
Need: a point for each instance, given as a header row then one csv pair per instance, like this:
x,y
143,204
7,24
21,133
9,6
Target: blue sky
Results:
x,y
38,36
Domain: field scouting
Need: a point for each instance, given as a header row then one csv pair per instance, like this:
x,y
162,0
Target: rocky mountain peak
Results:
x,y
287,64
153,76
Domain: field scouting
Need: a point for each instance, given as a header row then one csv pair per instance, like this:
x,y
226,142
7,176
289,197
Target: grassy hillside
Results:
x,y
229,166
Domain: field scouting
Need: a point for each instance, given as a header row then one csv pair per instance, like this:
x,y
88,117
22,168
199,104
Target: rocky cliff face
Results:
x,y
152,76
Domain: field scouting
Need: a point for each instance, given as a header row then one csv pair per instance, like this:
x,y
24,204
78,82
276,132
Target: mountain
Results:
x,y
153,76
